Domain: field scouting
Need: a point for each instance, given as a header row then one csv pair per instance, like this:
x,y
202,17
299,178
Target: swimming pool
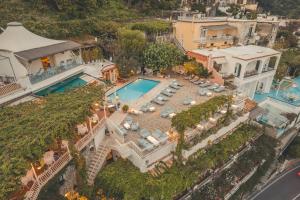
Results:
x,y
134,90
289,95
67,84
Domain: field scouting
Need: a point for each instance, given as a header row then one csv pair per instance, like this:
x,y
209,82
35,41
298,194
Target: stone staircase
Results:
x,y
97,163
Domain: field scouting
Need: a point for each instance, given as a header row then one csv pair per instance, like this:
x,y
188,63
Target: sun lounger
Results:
x,y
174,86
144,108
153,141
166,112
187,101
155,100
129,120
213,87
162,97
177,83
145,145
168,94
170,90
189,77
219,89
160,136
122,131
199,82
126,125
195,79
135,126
202,91
206,84
144,133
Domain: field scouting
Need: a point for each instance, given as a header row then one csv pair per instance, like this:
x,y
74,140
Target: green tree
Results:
x,y
162,56
131,44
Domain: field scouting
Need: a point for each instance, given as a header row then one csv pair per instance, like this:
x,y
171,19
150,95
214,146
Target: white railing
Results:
x,y
80,144
43,178
215,137
6,89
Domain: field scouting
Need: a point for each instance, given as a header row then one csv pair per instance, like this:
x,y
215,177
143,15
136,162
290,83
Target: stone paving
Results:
x,y
152,121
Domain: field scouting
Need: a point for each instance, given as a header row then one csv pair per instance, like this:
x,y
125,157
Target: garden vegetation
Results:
x,y
29,129
124,181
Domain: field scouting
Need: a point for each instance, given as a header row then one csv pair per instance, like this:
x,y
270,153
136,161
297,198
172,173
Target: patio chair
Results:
x,y
160,136
162,97
155,100
219,89
166,93
166,112
144,133
172,85
145,145
135,126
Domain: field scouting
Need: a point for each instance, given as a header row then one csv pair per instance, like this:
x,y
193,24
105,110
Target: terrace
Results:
x,y
149,133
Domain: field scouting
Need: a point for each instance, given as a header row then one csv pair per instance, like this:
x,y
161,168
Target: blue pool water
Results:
x,y
134,90
67,84
290,95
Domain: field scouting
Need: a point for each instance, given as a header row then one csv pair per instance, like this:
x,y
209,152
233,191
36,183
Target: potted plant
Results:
x,y
125,108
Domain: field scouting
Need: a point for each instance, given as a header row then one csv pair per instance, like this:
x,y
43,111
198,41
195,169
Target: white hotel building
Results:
x,y
251,68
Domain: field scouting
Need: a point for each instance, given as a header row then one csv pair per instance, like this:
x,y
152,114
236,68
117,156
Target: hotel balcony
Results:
x,y
42,75
250,73
268,69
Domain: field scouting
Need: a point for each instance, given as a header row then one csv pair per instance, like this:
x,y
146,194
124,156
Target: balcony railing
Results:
x,y
6,89
43,75
267,70
220,38
43,178
85,140
250,73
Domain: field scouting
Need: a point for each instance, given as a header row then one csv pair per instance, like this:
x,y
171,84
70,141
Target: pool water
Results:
x,y
134,90
289,95
70,83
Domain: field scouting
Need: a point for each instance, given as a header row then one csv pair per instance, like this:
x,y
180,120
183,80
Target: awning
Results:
x,y
33,54
220,60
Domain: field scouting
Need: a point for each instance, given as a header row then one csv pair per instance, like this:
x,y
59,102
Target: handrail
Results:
x,y
43,178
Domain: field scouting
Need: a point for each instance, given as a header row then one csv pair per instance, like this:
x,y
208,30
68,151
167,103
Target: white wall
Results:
x,y
99,137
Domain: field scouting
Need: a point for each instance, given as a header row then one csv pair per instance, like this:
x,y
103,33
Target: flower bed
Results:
x,y
122,180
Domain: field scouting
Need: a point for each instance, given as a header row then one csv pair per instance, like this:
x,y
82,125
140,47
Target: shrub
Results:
x,y
125,108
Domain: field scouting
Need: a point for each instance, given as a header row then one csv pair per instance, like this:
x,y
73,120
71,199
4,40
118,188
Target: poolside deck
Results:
x,y
153,120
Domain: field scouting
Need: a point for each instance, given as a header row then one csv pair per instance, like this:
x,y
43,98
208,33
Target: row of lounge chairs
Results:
x,y
167,92
205,84
149,141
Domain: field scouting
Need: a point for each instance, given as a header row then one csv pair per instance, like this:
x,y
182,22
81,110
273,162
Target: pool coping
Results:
x,y
109,92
